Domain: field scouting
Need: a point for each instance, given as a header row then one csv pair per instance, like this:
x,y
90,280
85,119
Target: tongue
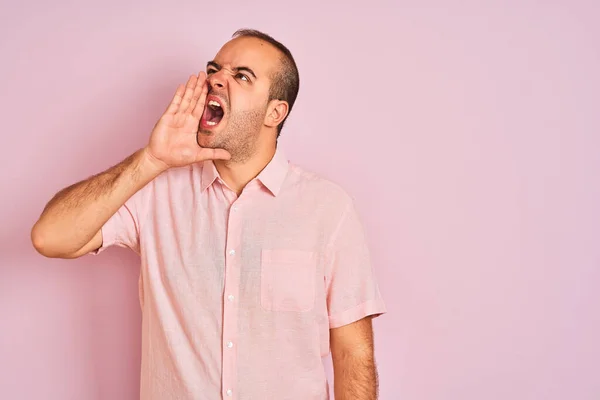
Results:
x,y
213,114
209,114
216,115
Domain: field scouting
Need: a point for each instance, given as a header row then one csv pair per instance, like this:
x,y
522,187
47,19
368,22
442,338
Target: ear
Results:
x,y
276,112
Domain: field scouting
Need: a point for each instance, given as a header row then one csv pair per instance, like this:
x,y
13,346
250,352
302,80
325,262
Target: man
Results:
x,y
253,269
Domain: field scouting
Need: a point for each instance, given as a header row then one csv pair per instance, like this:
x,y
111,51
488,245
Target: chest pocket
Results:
x,y
287,280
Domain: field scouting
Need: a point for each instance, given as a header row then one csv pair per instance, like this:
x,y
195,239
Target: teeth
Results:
x,y
211,123
214,103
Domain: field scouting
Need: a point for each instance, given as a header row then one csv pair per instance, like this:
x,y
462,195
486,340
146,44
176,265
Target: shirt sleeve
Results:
x,y
123,227
352,288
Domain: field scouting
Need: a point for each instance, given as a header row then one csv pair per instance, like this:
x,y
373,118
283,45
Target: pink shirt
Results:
x,y
238,293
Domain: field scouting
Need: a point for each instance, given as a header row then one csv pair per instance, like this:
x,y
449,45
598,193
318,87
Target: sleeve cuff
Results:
x,y
373,307
108,237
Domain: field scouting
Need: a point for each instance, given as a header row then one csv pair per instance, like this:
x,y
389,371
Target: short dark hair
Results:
x,y
286,80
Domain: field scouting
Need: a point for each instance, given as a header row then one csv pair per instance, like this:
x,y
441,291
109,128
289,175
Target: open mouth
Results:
x,y
213,114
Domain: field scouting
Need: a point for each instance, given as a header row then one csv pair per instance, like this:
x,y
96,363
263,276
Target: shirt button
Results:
x,y
235,208
230,344
230,297
229,392
232,252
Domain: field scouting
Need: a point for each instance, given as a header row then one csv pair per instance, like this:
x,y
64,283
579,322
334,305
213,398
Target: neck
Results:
x,y
237,174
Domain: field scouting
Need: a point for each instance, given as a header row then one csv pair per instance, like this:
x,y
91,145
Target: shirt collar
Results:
x,y
272,176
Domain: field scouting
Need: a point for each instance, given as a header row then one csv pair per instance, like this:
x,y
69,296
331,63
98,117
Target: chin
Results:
x,y
210,138
206,139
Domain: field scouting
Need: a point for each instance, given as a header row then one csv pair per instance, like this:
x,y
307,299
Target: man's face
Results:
x,y
239,79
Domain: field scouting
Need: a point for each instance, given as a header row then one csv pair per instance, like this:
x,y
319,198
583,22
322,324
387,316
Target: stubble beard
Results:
x,y
240,135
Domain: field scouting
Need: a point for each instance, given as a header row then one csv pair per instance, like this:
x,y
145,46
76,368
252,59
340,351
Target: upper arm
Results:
x,y
353,338
352,289
122,228
93,244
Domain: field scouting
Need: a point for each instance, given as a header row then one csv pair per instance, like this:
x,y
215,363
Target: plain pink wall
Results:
x,y
467,133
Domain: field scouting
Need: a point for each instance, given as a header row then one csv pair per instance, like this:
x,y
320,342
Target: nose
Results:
x,y
216,80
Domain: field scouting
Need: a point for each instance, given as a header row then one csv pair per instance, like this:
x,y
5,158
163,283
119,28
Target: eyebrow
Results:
x,y
237,69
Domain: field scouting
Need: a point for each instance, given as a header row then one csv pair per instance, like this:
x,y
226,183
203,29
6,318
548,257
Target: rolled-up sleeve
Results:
x,y
352,289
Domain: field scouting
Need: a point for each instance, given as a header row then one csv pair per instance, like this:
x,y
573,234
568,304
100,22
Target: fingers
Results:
x,y
190,99
198,108
195,96
187,96
176,101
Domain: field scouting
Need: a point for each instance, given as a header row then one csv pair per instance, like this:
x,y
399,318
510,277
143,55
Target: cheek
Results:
x,y
249,102
240,100
248,98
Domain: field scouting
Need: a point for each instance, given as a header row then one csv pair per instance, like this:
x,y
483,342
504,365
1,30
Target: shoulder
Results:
x,y
174,183
178,176
309,184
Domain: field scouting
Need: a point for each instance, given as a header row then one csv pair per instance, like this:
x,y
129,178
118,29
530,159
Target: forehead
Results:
x,y
254,53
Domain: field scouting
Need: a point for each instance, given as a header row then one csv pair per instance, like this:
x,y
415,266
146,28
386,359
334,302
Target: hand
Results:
x,y
173,141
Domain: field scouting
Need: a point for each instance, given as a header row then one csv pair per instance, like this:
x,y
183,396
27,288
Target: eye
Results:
x,y
243,77
210,71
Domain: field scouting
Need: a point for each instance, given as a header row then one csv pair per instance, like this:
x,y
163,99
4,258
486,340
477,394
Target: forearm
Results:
x,y
76,213
355,376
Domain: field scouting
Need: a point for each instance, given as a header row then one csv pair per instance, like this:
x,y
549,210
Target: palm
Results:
x,y
181,122
173,139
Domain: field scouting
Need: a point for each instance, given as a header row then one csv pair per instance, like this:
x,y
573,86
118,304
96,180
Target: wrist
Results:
x,y
149,164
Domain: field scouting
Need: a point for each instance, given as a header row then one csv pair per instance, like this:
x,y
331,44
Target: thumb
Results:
x,y
212,154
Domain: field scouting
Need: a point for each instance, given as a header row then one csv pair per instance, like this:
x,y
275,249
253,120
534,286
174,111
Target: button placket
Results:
x,y
230,324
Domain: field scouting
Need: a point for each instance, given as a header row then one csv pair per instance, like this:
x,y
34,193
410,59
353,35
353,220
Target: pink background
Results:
x,y
467,133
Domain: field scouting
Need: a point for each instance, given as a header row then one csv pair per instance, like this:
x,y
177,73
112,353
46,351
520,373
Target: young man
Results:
x,y
253,269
